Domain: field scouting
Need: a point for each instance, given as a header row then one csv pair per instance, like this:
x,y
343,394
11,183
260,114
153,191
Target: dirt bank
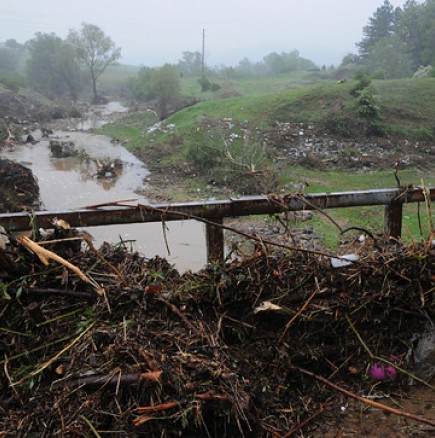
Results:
x,y
19,189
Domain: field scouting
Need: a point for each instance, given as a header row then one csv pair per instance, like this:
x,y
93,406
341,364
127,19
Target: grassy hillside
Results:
x,y
254,86
208,142
407,106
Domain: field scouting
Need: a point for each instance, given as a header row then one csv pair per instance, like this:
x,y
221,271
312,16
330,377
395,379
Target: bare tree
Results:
x,y
95,50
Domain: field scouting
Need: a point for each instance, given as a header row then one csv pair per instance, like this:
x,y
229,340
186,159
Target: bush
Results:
x,y
205,84
367,106
229,161
11,81
378,74
364,81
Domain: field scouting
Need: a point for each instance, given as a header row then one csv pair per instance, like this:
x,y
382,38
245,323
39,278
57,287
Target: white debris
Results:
x,y
344,260
267,306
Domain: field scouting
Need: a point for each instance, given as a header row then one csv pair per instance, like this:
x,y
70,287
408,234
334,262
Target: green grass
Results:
x,y
117,74
261,86
339,181
254,86
370,218
408,104
407,108
132,128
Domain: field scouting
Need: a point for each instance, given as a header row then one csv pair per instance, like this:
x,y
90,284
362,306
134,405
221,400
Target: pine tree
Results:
x,y
382,24
410,31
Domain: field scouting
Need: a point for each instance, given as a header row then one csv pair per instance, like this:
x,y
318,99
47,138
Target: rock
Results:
x,y
62,149
424,355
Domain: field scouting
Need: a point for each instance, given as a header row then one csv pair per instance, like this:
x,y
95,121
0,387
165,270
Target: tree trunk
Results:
x,y
94,87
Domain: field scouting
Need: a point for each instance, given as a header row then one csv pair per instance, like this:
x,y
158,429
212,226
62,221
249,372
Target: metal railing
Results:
x,y
214,212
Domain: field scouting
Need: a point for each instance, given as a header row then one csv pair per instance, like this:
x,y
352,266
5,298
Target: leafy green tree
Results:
x,y
69,70
286,62
382,24
166,89
427,30
276,64
12,44
390,56
349,58
42,72
228,72
190,64
95,50
51,67
8,60
245,68
142,90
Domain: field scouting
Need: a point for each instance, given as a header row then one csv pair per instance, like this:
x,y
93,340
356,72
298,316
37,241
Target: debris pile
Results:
x,y
250,348
19,188
109,168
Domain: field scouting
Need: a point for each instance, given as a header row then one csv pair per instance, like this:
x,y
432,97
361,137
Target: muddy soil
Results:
x,y
351,419
19,189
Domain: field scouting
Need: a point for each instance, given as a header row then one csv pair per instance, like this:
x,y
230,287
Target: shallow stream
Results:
x,y
70,183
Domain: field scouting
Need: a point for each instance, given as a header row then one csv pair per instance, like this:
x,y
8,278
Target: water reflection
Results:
x,y
64,164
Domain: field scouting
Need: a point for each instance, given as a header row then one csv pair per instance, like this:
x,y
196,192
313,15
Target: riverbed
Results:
x,y
71,183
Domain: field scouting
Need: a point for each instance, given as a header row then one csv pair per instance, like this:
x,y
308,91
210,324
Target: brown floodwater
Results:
x,y
71,183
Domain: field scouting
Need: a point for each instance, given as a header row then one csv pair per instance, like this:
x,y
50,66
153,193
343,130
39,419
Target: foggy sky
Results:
x,y
153,32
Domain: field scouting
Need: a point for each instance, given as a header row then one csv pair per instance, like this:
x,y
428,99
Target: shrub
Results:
x,y
11,81
363,81
367,106
205,84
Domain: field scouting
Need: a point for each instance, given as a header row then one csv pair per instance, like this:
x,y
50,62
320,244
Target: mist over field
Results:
x,y
153,33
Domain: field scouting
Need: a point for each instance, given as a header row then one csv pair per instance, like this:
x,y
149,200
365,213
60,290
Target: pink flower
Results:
x,y
381,372
391,372
377,371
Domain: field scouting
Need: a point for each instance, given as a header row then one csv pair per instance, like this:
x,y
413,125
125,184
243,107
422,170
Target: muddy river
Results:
x,y
69,183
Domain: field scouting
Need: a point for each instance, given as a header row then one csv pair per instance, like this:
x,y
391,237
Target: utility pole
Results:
x,y
203,45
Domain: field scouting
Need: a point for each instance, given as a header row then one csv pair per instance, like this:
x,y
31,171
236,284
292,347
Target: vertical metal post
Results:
x,y
215,241
393,219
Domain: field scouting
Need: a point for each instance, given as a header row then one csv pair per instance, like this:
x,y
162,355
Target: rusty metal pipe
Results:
x,y
233,207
